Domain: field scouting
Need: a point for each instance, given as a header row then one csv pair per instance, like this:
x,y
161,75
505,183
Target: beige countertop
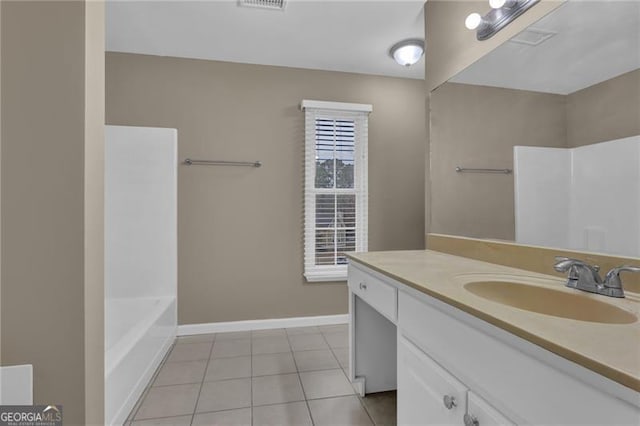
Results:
x,y
612,350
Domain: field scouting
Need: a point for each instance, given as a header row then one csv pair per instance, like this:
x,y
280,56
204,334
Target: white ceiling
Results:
x,y
595,41
350,36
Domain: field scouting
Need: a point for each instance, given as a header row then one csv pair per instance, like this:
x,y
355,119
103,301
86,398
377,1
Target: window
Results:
x,y
335,205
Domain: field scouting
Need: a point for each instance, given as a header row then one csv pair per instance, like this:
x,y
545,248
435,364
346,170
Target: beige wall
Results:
x,y
605,111
49,116
477,127
240,229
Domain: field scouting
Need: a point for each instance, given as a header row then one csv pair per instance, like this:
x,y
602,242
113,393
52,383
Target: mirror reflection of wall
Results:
x,y
570,80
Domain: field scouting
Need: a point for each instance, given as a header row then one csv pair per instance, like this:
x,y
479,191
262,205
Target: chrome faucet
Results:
x,y
582,276
585,277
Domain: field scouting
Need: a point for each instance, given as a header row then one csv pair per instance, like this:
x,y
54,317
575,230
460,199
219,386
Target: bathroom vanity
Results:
x,y
460,350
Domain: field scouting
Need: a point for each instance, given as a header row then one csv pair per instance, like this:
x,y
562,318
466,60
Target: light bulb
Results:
x,y
497,4
473,21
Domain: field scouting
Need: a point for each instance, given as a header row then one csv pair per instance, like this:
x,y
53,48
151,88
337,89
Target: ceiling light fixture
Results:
x,y
407,52
502,13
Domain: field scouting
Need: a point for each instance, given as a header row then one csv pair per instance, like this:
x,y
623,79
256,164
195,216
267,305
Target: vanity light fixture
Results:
x,y
407,52
501,14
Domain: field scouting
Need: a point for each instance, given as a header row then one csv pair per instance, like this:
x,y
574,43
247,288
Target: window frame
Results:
x,y
358,113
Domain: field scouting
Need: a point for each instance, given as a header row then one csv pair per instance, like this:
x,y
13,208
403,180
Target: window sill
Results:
x,y
315,277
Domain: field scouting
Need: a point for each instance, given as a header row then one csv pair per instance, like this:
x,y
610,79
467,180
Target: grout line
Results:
x,y
304,395
193,415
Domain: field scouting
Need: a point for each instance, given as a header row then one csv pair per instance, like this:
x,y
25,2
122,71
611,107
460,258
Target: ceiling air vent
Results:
x,y
263,4
532,37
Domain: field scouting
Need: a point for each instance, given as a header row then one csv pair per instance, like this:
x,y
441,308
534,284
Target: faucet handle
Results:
x,y
612,281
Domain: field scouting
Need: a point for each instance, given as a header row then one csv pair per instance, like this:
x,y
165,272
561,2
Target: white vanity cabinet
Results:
x,y
449,363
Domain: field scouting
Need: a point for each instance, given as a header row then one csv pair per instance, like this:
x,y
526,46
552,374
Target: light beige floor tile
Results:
x,y
291,414
325,384
233,335
276,389
302,330
342,355
224,395
381,407
169,401
196,338
231,348
180,373
241,417
270,345
190,352
269,333
228,368
336,328
337,340
307,342
167,421
316,360
269,364
345,410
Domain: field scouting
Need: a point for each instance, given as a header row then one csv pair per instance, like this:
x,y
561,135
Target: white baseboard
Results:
x,y
221,327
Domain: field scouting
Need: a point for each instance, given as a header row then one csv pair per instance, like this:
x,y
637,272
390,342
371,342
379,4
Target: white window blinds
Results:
x,y
335,207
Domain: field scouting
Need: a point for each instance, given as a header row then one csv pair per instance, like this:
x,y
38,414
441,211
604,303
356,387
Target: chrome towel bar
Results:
x,y
469,170
190,162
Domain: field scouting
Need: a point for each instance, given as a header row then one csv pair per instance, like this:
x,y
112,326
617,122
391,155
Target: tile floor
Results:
x,y
293,376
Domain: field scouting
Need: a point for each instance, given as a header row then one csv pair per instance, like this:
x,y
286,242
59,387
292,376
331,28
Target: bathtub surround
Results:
x,y
140,260
556,192
52,211
240,229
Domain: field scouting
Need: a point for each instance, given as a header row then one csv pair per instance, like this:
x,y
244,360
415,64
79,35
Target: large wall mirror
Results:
x,y
558,105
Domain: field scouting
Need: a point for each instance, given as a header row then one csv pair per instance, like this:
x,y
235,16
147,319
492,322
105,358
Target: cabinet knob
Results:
x,y
363,286
449,401
470,420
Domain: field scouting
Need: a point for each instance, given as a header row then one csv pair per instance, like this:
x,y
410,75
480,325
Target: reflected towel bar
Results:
x,y
190,162
466,170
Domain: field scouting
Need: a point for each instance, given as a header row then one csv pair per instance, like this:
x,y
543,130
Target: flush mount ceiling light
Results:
x,y
501,14
407,52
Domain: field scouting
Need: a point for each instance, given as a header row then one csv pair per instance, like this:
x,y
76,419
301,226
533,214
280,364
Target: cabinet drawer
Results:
x,y
380,295
427,393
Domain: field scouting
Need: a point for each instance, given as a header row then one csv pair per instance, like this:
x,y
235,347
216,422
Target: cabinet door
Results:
x,y
422,388
484,414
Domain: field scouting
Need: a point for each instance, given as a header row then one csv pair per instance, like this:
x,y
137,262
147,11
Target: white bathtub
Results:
x,y
138,334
